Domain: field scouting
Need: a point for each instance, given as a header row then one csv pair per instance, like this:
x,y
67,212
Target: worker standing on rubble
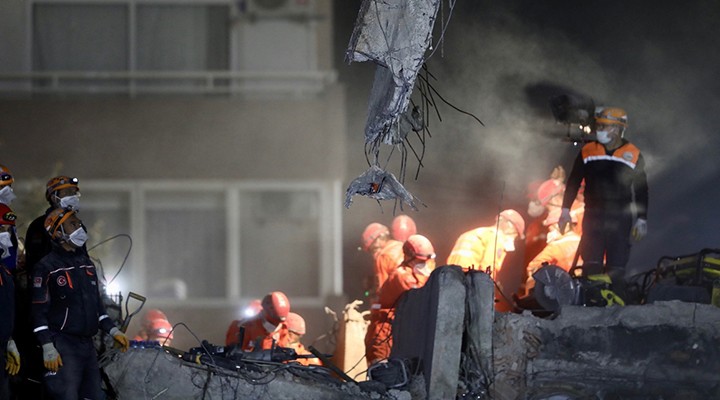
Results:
x,y
615,183
418,262
268,328
387,253
485,248
296,330
67,311
10,360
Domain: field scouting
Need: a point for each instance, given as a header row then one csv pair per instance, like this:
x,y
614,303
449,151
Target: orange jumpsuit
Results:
x,y
560,252
256,337
378,340
387,260
301,350
474,250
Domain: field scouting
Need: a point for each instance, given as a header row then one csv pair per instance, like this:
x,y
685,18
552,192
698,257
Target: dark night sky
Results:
x,y
658,60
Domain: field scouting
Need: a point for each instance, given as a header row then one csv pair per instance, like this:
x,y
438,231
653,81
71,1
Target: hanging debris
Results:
x,y
379,184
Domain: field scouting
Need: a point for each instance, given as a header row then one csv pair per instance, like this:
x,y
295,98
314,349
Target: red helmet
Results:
x,y
516,219
295,323
58,183
403,227
418,247
7,216
371,233
55,219
276,307
549,189
150,316
160,329
6,177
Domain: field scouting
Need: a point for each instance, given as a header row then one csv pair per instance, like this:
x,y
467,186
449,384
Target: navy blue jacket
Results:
x,y
7,304
66,296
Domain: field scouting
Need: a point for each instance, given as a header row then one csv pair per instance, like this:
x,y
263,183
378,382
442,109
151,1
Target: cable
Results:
x,y
127,254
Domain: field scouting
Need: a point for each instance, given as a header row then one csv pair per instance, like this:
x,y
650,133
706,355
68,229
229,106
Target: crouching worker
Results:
x,y
296,330
67,311
418,263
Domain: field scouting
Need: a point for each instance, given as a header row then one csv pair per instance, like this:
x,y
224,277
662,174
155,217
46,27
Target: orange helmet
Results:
x,y
295,323
150,316
549,189
276,307
160,329
611,116
7,216
371,233
6,177
418,247
55,219
516,219
59,182
403,227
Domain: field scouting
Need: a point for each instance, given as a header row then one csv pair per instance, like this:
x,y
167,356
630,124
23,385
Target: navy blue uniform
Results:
x,y
67,310
615,184
7,318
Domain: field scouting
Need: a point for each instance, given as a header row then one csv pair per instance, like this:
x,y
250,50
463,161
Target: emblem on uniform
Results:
x,y
628,156
61,281
37,282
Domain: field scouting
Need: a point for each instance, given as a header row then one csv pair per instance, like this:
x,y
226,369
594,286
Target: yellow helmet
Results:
x,y
611,116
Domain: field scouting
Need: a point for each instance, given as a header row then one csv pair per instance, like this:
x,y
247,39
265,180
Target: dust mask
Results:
x,y
71,202
270,328
5,244
422,269
535,209
7,195
79,237
509,244
603,137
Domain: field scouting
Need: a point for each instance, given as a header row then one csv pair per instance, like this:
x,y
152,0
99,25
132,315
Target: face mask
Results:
x,y
7,195
603,137
70,202
422,269
79,237
509,244
535,209
5,244
268,326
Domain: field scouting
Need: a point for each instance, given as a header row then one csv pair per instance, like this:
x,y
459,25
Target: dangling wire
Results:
x,y
127,254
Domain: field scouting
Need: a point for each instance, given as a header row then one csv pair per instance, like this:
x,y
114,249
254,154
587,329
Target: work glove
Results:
x,y
13,358
121,340
51,357
640,229
565,219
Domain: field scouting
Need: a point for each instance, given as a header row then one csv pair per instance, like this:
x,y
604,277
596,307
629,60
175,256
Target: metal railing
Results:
x,y
132,83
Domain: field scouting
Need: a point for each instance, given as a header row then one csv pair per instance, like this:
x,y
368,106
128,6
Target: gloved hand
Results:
x,y
51,357
121,340
13,358
565,219
640,229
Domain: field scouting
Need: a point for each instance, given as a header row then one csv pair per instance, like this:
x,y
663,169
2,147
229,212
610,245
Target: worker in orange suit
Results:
x,y
560,249
248,312
296,330
387,253
267,329
417,264
485,248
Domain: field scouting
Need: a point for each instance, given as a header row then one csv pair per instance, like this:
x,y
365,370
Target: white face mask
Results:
x,y
509,244
5,244
270,328
7,195
603,137
535,209
422,269
79,237
70,202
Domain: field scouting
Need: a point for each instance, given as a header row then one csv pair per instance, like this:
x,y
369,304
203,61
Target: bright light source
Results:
x,y
249,312
113,288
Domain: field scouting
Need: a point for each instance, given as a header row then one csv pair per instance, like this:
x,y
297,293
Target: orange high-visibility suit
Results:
x,y
479,249
256,337
387,260
560,252
378,340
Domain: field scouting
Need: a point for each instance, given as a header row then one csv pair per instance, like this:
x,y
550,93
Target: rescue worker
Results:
x,y
560,249
615,183
60,192
268,328
387,253
10,361
146,324
67,311
403,227
250,311
296,330
7,195
160,330
485,248
414,271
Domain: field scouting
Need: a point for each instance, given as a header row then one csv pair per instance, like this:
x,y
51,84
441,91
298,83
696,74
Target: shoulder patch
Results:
x,y
627,156
61,280
37,282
